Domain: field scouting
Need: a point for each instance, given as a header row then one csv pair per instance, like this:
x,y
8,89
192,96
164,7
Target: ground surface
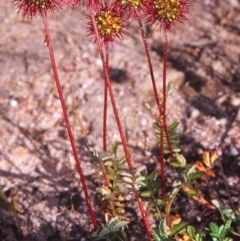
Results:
x,y
35,155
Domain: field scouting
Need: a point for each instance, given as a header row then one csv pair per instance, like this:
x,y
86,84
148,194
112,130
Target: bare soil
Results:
x,y
35,155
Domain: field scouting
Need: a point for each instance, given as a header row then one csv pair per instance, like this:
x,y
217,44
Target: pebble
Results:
x,y
232,181
13,103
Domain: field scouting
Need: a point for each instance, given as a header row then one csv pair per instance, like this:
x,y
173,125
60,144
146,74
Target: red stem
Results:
x,y
105,104
66,119
150,65
160,105
105,117
145,220
165,94
162,164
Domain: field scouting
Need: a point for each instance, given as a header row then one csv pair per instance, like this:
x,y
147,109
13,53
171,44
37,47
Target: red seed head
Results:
x,y
30,8
131,6
167,12
110,23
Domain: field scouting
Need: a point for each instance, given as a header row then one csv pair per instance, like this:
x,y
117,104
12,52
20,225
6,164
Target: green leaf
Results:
x,y
174,136
216,203
127,179
140,184
176,150
108,163
163,228
111,173
190,170
195,176
151,177
106,156
156,187
95,233
191,231
140,169
111,177
178,227
126,173
146,193
121,161
119,225
176,164
192,192
156,125
104,232
222,231
177,183
198,237
170,89
156,236
165,145
140,179
160,202
172,126
181,159
114,148
214,227
229,213
228,224
215,235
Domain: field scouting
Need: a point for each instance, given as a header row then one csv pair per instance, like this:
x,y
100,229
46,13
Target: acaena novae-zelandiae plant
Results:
x,y
108,21
32,8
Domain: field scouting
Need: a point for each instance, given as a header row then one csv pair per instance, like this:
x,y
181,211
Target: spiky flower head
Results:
x,y
111,24
30,8
167,12
131,6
